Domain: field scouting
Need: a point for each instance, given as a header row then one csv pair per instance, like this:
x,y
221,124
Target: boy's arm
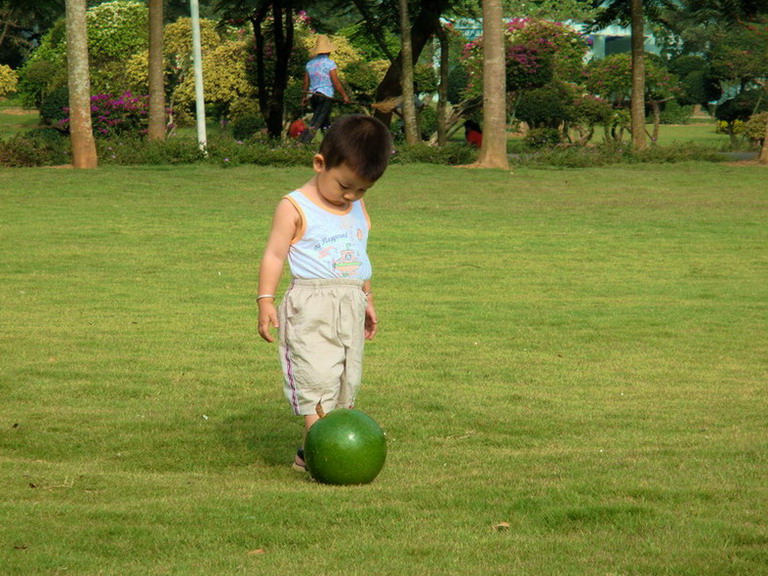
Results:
x,y
371,321
284,227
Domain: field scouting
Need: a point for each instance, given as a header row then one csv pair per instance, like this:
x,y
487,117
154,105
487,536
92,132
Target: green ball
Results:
x,y
345,447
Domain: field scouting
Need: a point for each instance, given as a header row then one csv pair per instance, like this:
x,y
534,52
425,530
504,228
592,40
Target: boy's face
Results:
x,y
339,185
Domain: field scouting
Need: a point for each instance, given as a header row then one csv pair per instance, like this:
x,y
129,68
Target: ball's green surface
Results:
x,y
345,447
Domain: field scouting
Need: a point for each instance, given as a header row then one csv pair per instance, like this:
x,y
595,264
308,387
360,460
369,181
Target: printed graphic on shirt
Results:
x,y
348,263
342,250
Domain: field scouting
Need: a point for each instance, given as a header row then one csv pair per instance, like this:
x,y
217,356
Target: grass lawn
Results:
x,y
702,133
15,119
571,371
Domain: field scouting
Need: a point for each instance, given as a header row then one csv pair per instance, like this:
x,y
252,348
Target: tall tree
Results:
x,y
409,105
637,100
732,12
634,13
277,17
156,81
423,27
81,131
493,152
442,88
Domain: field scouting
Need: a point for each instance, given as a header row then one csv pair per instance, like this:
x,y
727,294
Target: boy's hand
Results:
x,y
267,319
371,324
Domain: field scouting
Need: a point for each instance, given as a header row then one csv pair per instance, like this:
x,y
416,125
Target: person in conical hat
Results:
x,y
321,82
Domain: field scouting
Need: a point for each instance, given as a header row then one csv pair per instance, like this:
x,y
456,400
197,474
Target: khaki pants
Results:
x,y
322,334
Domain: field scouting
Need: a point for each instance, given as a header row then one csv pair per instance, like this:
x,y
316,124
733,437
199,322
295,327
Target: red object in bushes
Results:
x,y
475,138
297,127
473,134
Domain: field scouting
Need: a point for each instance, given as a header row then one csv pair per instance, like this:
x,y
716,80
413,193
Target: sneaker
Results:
x,y
298,462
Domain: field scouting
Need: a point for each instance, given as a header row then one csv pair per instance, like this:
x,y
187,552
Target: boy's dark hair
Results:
x,y
361,142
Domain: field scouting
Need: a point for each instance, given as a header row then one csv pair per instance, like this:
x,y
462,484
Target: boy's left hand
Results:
x,y
370,322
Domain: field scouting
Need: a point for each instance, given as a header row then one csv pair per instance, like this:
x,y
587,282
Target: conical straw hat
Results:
x,y
323,45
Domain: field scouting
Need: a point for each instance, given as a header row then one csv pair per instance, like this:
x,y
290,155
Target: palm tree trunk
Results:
x,y
409,106
637,106
156,84
424,26
442,89
493,152
79,81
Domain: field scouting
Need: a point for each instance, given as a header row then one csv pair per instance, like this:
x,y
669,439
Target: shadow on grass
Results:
x,y
269,432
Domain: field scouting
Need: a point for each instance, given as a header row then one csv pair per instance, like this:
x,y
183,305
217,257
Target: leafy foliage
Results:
x,y
8,80
697,81
742,106
115,30
754,128
41,147
564,45
37,79
538,51
611,78
548,106
224,78
52,108
247,125
739,54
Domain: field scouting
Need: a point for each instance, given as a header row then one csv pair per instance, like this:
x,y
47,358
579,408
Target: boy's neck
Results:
x,y
311,191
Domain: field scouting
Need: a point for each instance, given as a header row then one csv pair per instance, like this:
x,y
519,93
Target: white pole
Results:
x,y
197,56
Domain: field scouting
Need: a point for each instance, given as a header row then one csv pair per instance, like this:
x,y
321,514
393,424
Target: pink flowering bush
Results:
x,y
537,52
117,115
527,67
566,46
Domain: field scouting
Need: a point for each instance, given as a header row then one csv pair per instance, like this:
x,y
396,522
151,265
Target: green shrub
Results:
x,y
754,128
54,105
247,126
39,147
742,106
9,79
427,122
548,106
457,83
450,154
135,150
362,79
229,152
674,113
539,138
607,154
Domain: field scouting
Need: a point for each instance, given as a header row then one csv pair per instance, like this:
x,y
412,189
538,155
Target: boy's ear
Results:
x,y
318,163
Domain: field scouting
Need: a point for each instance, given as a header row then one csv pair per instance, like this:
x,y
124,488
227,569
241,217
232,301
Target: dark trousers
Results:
x,y
321,108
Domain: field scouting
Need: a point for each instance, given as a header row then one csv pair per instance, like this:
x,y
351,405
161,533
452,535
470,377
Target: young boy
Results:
x,y
327,312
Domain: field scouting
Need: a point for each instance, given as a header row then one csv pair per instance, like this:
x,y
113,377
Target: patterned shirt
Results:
x,y
319,71
330,243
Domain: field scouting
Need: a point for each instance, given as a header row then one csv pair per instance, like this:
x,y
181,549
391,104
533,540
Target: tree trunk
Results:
x,y
637,105
79,81
156,82
409,105
282,12
442,89
493,152
424,26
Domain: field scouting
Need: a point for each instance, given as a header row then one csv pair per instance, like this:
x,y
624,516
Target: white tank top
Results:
x,y
330,243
